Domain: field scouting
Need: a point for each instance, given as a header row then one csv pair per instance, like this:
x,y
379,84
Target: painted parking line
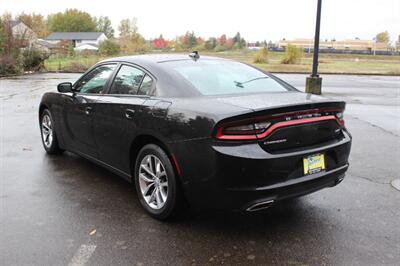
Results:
x,y
82,255
396,184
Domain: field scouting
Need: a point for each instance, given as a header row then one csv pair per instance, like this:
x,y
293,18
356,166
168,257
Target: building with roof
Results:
x,y
368,46
22,32
79,40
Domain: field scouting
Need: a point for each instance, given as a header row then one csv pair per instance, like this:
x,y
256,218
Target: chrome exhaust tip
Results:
x,y
260,206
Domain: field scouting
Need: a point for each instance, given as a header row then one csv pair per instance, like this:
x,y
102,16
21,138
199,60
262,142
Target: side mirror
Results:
x,y
65,87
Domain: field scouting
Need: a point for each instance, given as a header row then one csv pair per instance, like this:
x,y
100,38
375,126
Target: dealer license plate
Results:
x,y
314,164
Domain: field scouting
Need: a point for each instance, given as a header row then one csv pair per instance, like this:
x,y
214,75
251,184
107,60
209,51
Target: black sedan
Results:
x,y
206,131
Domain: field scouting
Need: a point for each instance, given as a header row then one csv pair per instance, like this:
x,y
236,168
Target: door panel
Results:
x,y
117,121
114,116
78,115
80,107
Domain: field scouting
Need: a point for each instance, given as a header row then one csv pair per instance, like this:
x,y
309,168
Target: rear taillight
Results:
x,y
262,127
241,131
340,118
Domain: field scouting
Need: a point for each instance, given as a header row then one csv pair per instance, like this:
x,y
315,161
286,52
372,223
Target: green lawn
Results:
x,y
328,63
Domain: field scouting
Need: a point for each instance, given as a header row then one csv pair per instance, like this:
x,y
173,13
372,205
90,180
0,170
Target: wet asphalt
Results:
x,y
65,210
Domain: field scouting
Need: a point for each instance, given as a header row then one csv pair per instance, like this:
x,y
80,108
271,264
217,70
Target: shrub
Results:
x,y
9,66
292,55
33,59
261,57
220,48
109,47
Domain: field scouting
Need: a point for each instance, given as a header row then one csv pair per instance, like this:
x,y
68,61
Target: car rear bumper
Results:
x,y
239,177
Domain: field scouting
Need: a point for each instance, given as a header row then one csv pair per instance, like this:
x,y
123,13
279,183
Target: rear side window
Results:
x,y
146,86
218,77
127,81
95,81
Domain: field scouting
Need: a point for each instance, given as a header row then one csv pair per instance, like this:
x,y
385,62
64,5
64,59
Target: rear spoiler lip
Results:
x,y
300,106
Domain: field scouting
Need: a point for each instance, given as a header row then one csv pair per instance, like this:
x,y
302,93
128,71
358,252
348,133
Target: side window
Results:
x,y
146,86
95,80
127,81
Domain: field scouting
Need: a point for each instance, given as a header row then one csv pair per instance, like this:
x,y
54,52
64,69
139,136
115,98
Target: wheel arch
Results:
x,y
139,142
42,107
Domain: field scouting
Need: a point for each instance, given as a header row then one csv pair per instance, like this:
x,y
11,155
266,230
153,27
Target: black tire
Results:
x,y
173,201
50,145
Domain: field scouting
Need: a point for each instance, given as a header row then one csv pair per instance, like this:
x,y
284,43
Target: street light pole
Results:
x,y
316,41
314,82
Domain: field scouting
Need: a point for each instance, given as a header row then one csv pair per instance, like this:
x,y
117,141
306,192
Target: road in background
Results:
x,y
57,210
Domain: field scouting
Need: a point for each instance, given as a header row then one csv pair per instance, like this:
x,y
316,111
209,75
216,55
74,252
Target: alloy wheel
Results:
x,y
153,181
47,131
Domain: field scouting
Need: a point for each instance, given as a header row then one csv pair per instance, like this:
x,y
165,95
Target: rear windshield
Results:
x,y
217,77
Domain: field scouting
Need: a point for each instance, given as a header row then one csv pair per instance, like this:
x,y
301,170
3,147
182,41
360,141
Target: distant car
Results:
x,y
212,132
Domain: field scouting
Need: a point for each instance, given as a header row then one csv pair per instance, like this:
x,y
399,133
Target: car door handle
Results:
x,y
88,110
129,113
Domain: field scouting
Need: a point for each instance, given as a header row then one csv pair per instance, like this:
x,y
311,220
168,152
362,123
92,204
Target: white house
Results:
x,y
90,40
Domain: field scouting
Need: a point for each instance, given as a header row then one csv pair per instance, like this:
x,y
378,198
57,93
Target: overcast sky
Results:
x,y
254,19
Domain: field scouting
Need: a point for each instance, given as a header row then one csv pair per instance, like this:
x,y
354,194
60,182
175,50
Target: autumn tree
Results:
x,y
104,25
383,37
130,39
222,40
71,20
160,43
36,22
189,40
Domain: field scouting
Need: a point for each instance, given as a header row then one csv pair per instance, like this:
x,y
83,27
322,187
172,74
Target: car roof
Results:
x,y
153,63
154,59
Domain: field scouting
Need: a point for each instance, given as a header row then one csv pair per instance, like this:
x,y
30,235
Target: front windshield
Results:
x,y
217,77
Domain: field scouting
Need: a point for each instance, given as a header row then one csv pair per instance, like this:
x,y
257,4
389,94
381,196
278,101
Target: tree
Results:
x,y
71,20
109,47
383,37
211,43
10,44
238,41
292,55
128,28
130,39
160,43
222,40
36,22
261,57
2,36
188,41
237,38
104,25
229,43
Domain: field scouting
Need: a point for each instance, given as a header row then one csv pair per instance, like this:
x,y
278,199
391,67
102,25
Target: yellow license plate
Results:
x,y
314,164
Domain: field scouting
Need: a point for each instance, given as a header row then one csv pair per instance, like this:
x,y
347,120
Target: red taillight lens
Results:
x,y
246,131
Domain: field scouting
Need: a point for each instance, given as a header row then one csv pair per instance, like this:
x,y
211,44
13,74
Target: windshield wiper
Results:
x,y
240,83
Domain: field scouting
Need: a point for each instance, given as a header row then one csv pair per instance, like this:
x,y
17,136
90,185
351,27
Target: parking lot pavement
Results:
x,y
64,210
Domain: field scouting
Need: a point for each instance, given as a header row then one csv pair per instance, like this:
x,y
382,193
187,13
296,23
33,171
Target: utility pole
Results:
x,y
314,82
